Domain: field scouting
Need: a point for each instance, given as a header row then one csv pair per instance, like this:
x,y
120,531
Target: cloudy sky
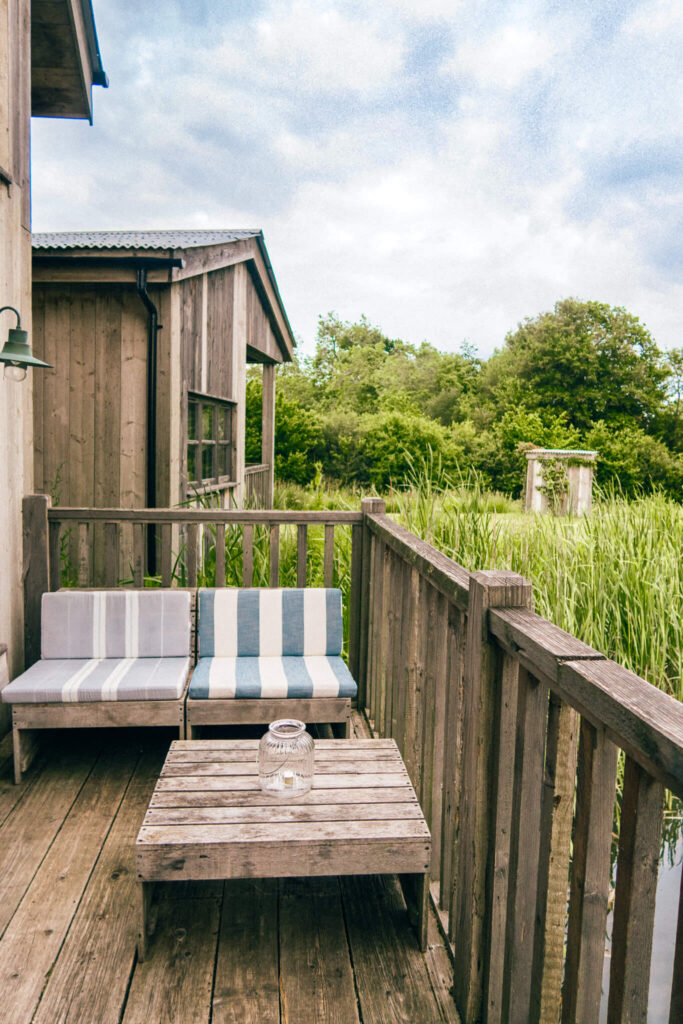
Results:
x,y
446,167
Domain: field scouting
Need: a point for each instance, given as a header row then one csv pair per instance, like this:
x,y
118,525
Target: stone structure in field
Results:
x,y
559,480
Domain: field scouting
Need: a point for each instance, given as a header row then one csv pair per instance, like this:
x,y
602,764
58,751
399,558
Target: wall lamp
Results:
x,y
16,352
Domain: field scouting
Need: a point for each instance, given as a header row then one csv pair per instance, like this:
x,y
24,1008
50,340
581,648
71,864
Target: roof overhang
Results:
x,y
166,266
65,58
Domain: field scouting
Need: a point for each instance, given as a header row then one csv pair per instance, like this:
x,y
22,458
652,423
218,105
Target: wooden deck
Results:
x,y
275,950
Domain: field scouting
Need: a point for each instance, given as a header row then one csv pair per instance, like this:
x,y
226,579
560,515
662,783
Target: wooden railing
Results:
x,y
510,730
257,486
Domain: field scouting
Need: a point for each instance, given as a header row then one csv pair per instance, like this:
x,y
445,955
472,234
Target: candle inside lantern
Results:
x,y
288,779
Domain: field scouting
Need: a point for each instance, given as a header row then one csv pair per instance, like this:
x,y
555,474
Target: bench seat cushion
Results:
x,y
298,677
60,680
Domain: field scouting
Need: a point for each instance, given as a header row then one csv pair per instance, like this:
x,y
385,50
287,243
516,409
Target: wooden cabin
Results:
x,y
150,334
49,61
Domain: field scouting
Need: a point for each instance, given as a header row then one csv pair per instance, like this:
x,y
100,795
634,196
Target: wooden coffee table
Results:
x,y
209,819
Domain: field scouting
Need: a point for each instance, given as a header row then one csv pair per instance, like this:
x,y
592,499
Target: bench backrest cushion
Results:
x,y
115,624
270,623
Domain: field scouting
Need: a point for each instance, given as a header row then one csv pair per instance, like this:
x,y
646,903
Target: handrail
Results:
x,y
189,515
638,717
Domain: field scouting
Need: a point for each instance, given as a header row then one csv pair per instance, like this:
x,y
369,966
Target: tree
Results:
x,y
594,361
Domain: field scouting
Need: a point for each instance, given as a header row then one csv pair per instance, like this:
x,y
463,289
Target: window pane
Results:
x,y
207,462
223,460
192,421
191,462
223,424
207,423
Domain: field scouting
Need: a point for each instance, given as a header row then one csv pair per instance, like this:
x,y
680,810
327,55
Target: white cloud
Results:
x,y
314,47
504,58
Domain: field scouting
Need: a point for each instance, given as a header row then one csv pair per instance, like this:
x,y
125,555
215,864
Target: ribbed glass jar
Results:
x,y
286,758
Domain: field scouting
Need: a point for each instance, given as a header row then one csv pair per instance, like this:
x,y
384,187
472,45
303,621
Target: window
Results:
x,y
209,440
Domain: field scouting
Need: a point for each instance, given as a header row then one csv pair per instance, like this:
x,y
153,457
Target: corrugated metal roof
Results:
x,y
137,239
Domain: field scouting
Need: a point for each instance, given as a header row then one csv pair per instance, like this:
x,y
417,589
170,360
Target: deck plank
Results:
x,y
91,976
391,974
316,977
246,987
174,983
27,833
44,915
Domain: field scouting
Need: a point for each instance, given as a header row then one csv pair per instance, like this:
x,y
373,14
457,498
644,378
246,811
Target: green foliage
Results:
x,y
366,406
555,485
590,360
298,436
634,462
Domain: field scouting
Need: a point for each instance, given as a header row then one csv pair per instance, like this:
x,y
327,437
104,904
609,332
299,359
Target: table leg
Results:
x,y
416,893
145,923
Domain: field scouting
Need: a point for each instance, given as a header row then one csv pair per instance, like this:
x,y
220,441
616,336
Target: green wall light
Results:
x,y
16,352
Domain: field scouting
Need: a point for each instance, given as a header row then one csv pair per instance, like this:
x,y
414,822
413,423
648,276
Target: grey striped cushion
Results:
x,y
115,624
315,676
96,679
275,623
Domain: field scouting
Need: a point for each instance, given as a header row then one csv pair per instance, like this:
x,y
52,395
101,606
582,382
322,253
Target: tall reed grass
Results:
x,y
613,578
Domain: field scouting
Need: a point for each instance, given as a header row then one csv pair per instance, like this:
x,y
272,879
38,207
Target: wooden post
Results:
x,y
471,902
360,596
36,570
268,431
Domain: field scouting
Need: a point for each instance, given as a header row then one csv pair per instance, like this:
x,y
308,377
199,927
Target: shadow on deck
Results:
x,y
267,951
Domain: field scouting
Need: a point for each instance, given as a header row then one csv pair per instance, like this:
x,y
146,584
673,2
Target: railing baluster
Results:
x,y
111,554
596,783
532,724
166,554
355,602
275,555
191,566
55,530
301,554
374,604
220,554
84,554
435,639
452,762
328,570
138,554
504,772
553,877
247,555
383,636
640,836
413,673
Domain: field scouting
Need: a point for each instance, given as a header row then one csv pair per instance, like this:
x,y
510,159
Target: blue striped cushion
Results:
x,y
270,623
97,679
310,676
116,624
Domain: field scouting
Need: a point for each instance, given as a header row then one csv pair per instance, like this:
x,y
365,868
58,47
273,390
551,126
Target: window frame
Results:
x,y
214,444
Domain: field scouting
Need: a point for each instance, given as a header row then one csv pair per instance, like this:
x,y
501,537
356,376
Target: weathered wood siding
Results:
x,y
90,410
262,346
16,470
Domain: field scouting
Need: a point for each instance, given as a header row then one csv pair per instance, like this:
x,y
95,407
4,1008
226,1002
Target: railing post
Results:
x,y
36,570
360,596
470,905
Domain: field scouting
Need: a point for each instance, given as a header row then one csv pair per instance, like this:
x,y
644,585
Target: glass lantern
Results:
x,y
285,759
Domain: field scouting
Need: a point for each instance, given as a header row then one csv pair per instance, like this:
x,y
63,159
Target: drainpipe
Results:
x,y
153,326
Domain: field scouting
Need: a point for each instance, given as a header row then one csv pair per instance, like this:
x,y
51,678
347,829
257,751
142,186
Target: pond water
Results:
x,y
666,916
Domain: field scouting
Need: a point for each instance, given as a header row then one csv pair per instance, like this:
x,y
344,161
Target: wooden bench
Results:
x,y
209,819
109,658
265,654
